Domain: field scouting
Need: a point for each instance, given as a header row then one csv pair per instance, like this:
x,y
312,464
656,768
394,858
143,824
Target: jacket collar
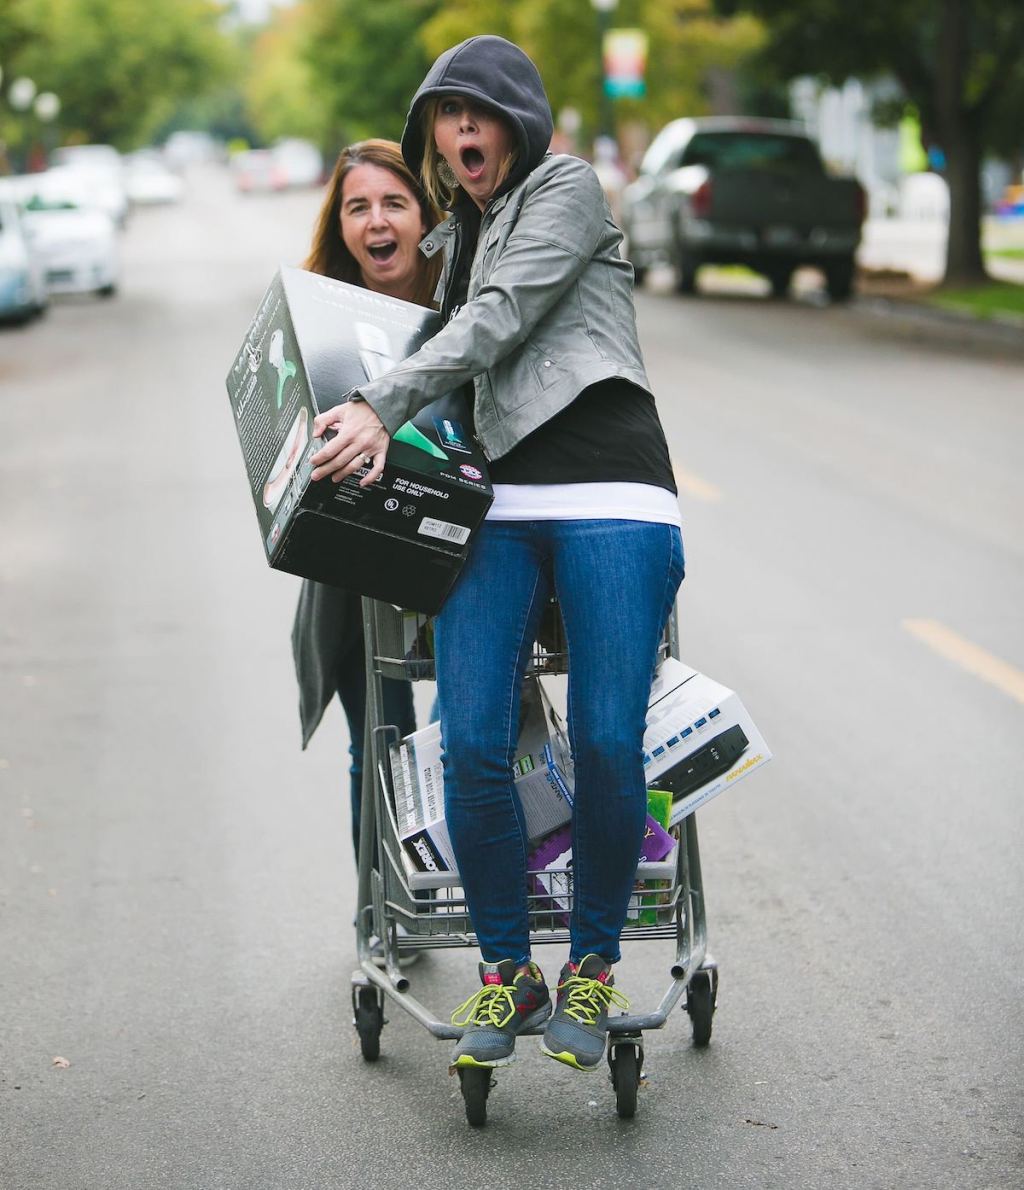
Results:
x,y
435,240
498,203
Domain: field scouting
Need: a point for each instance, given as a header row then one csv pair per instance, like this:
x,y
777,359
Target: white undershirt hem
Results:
x,y
584,502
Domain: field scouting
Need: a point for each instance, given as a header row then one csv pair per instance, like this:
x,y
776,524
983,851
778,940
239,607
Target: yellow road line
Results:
x,y
694,486
969,656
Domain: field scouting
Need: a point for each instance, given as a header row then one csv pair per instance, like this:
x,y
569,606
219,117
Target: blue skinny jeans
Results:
x,y
616,582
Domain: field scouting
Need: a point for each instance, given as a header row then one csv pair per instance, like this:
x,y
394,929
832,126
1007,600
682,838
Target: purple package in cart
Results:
x,y
550,865
550,874
657,842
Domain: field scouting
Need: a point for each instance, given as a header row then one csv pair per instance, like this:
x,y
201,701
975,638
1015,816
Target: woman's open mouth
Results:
x,y
382,253
472,161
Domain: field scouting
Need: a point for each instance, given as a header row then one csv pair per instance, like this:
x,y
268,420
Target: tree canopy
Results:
x,y
367,60
281,92
960,64
119,67
686,40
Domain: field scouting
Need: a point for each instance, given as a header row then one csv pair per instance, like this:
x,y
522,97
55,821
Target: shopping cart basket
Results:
x,y
430,906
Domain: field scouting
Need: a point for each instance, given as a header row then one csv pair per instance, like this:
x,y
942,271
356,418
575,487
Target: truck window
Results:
x,y
752,150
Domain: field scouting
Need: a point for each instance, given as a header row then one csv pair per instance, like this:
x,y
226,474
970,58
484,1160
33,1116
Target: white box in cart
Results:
x,y
699,740
542,772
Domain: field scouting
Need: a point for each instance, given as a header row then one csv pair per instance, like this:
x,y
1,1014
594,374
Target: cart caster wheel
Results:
x,y
700,1004
476,1085
368,1020
625,1060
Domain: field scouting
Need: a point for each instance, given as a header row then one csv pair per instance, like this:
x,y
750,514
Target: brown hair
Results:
x,y
437,190
328,254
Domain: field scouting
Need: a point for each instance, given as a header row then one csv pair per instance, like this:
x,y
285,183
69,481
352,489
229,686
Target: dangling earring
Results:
x,y
447,175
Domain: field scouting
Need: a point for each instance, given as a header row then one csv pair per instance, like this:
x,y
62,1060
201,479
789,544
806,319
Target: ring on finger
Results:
x,y
367,460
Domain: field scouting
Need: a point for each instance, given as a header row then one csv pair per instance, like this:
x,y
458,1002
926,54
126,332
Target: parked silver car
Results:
x,y
23,293
76,242
99,174
728,190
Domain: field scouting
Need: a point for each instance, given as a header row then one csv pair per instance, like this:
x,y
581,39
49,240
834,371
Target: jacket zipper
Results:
x,y
456,265
447,314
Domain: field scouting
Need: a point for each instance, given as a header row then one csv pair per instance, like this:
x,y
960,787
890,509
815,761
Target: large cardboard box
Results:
x,y
542,773
402,540
699,740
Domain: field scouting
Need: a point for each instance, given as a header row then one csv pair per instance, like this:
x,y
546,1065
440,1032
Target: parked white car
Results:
x,y
23,292
149,182
97,173
187,148
290,163
256,172
301,163
77,244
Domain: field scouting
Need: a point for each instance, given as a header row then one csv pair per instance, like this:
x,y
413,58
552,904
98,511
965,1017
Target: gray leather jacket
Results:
x,y
549,311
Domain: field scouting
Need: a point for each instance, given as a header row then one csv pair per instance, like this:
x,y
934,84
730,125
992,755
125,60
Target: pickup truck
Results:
x,y
726,190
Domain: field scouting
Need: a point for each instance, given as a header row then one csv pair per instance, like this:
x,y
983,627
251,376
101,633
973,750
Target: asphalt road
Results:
x,y
176,889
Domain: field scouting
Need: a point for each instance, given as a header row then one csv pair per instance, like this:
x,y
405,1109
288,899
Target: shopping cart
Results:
x,y
430,907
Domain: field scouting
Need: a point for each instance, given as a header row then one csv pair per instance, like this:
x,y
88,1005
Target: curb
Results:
x,y
914,320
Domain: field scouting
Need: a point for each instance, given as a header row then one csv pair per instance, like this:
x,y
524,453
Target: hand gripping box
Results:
x,y
699,739
402,540
542,772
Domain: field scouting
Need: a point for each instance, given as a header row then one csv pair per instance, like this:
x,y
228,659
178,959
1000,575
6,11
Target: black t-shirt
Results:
x,y
611,433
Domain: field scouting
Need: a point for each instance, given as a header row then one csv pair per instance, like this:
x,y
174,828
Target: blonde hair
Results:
x,y
437,190
328,253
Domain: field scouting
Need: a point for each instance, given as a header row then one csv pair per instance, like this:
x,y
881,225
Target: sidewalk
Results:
x,y
917,247
899,309
902,261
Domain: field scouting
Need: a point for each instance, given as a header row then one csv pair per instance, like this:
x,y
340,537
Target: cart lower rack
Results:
x,y
402,909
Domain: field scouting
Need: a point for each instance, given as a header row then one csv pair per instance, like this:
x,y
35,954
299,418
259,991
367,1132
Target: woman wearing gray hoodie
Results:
x,y
539,316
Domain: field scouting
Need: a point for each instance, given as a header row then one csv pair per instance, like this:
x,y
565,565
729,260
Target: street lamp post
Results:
x,y
604,10
21,93
47,108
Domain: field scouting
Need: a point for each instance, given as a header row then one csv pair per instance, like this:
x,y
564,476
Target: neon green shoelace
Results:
x,y
586,999
491,1005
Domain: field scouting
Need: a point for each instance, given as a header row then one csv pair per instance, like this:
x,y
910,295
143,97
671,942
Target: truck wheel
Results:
x,y
779,279
686,271
839,279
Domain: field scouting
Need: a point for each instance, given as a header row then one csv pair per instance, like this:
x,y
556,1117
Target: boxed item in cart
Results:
x,y
550,864
699,739
649,895
542,772
404,538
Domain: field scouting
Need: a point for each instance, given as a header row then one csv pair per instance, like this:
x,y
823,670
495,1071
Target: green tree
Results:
x,y
18,33
687,39
960,64
281,94
120,67
366,60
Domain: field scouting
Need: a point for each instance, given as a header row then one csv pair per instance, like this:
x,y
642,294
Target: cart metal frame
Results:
x,y
432,909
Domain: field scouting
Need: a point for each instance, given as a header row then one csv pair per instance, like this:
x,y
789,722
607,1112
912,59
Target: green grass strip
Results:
x,y
994,300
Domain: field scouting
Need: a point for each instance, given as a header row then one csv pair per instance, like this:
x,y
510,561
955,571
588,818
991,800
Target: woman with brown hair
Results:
x,y
373,216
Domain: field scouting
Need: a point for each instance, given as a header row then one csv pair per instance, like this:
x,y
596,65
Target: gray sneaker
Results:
x,y
577,1031
506,1005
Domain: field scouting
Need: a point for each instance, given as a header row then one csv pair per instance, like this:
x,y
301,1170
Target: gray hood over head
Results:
x,y
494,72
